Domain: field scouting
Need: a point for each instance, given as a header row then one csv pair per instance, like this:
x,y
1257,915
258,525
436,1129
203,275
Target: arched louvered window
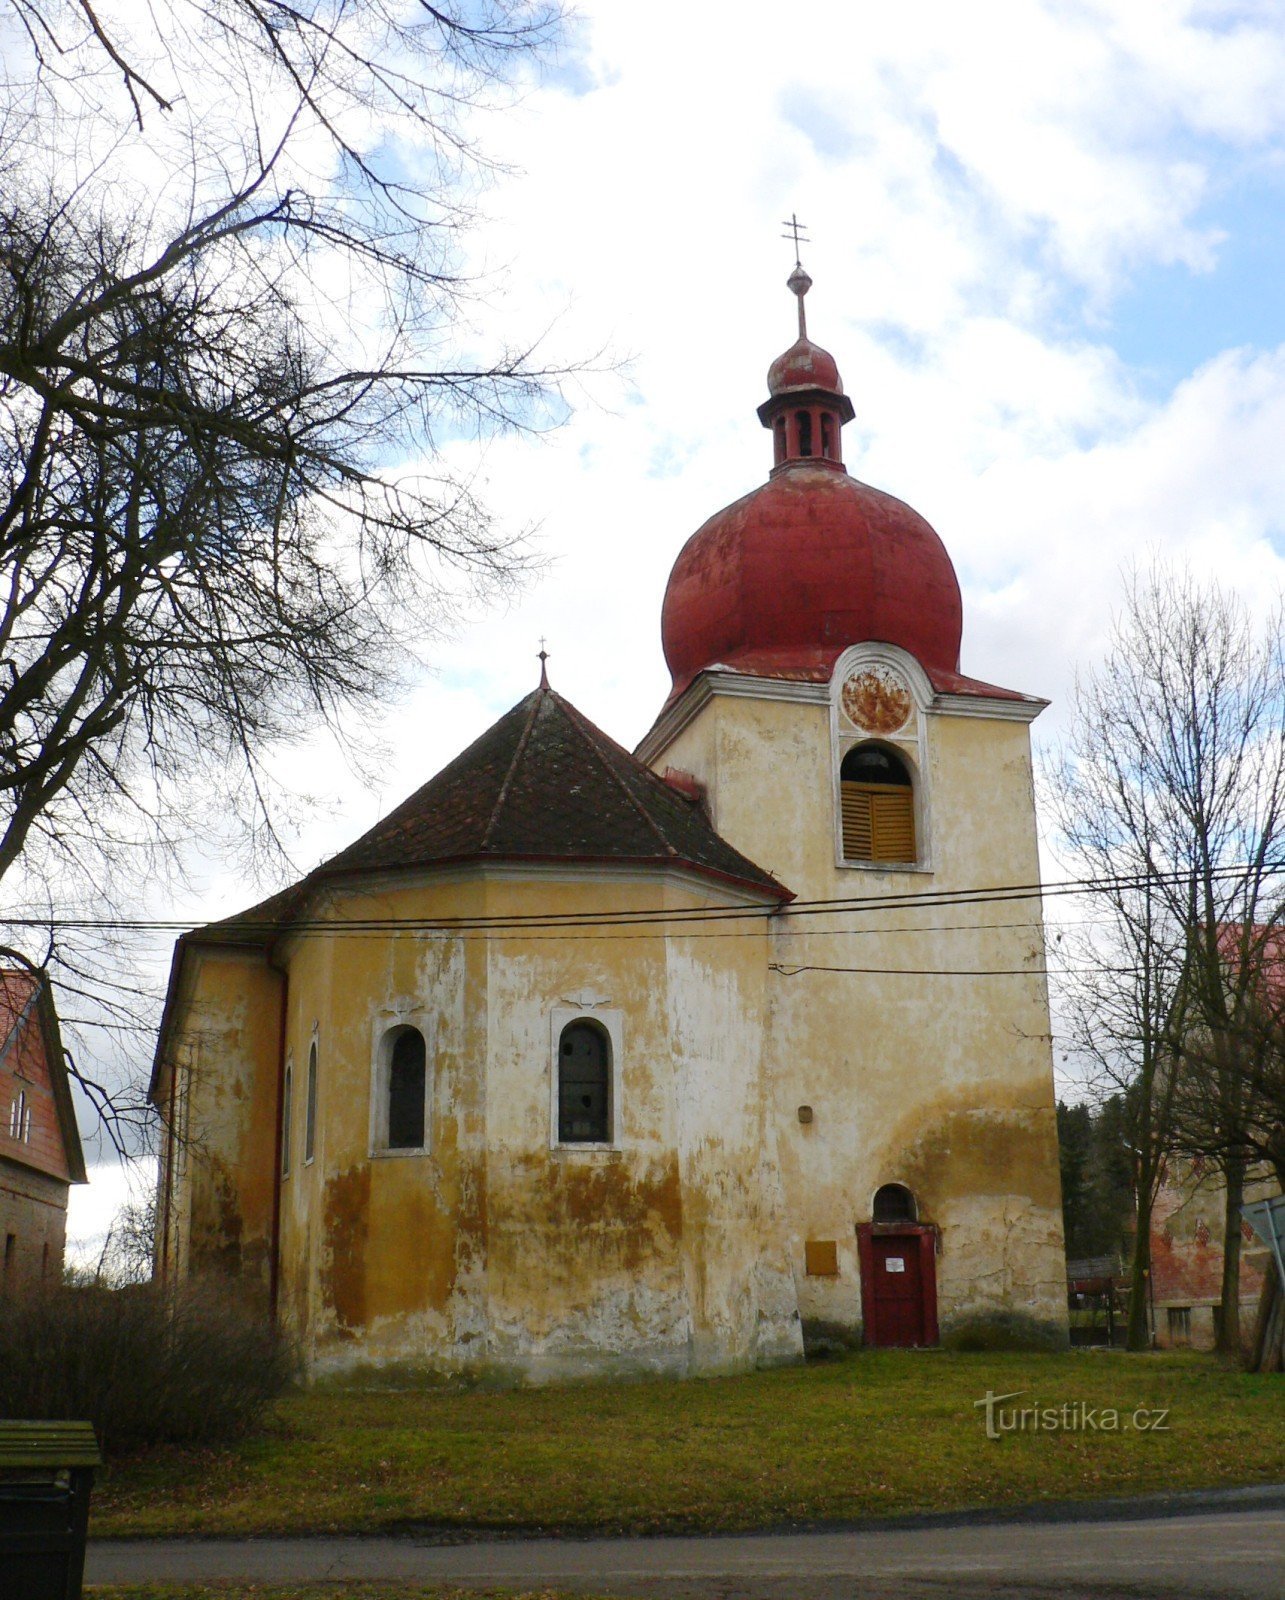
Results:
x,y
877,800
893,1202
584,1084
803,421
407,1081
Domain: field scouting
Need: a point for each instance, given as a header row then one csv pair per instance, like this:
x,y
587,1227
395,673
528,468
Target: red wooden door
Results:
x,y
896,1314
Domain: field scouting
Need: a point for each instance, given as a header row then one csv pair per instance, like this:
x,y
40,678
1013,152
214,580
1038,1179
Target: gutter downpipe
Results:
x,y
274,1265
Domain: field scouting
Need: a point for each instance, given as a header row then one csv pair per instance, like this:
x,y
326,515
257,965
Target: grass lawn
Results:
x,y
876,1433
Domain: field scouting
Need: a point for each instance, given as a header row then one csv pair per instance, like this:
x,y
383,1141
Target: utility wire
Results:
x,y
997,894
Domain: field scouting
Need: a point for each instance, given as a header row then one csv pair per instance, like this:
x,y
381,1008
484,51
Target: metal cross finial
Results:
x,y
544,656
797,233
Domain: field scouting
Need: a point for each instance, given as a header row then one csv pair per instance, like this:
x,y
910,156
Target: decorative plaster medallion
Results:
x,y
876,700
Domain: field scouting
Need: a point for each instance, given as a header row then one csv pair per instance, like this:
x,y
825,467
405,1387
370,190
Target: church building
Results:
x,y
686,1060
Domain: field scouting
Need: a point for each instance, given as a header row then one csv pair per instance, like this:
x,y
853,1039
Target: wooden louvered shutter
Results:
x,y
893,814
878,822
858,835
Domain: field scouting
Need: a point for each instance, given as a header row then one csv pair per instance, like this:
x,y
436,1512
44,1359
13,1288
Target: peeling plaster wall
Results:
x,y
495,1250
221,1100
941,1083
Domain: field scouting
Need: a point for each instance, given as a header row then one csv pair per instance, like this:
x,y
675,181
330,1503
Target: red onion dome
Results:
x,y
779,584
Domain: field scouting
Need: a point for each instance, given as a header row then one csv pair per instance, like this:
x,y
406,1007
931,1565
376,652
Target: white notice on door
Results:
x,y
895,1263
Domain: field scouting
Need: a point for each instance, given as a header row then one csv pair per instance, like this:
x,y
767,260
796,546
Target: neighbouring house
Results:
x,y
584,1061
1187,1256
40,1153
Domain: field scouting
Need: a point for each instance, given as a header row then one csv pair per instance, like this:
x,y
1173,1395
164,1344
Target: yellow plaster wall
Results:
x,y
495,1250
222,1089
943,1083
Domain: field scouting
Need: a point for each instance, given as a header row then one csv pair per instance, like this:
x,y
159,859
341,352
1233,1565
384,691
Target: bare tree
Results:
x,y
1172,784
232,338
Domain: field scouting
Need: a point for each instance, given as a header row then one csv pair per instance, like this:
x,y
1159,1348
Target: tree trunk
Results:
x,y
1268,1354
1139,1331
1228,1339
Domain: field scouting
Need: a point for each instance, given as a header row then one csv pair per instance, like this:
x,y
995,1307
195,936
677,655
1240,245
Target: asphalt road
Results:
x,y
1208,1555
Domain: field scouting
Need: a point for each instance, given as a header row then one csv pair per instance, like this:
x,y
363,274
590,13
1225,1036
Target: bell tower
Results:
x,y
812,630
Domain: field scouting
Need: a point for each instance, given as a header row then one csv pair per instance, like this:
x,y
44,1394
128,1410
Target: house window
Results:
x,y
584,1084
407,1082
1180,1323
310,1109
877,804
893,1203
286,1098
20,1118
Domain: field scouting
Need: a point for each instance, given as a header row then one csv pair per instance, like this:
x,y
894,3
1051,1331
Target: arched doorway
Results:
x,y
898,1256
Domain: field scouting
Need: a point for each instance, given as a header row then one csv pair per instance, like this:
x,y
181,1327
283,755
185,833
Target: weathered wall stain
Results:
x,y
343,1271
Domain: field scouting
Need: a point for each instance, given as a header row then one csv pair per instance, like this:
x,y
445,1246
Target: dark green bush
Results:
x,y
144,1366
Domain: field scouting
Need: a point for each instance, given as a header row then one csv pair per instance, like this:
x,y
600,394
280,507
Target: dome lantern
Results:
x,y
806,406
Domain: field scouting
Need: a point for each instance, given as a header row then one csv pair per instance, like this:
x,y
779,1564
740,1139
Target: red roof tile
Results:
x,y
542,784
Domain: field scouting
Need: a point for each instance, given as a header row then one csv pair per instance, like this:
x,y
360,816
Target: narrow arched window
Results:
x,y
827,436
286,1098
804,421
310,1107
893,1202
407,1073
778,440
877,800
584,1085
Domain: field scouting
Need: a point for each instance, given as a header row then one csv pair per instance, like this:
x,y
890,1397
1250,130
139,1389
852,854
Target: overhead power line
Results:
x,y
565,923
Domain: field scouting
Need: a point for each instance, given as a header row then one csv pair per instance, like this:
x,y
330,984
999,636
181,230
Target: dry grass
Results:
x,y
345,1590
874,1434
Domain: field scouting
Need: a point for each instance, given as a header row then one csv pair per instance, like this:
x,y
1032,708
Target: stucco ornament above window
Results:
x,y
876,699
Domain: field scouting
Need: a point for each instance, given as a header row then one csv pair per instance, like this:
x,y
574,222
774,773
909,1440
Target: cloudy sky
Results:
x,y
1048,252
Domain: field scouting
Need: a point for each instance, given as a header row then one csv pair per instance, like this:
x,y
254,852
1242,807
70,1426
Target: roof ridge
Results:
x,y
586,730
503,792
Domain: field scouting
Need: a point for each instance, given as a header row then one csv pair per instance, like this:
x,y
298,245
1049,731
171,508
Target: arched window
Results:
x,y
407,1074
286,1098
877,800
310,1107
893,1203
827,436
584,1085
804,421
778,440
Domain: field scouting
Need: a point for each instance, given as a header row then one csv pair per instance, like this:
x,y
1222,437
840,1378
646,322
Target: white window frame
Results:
x,y
611,1020
381,1058
910,743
